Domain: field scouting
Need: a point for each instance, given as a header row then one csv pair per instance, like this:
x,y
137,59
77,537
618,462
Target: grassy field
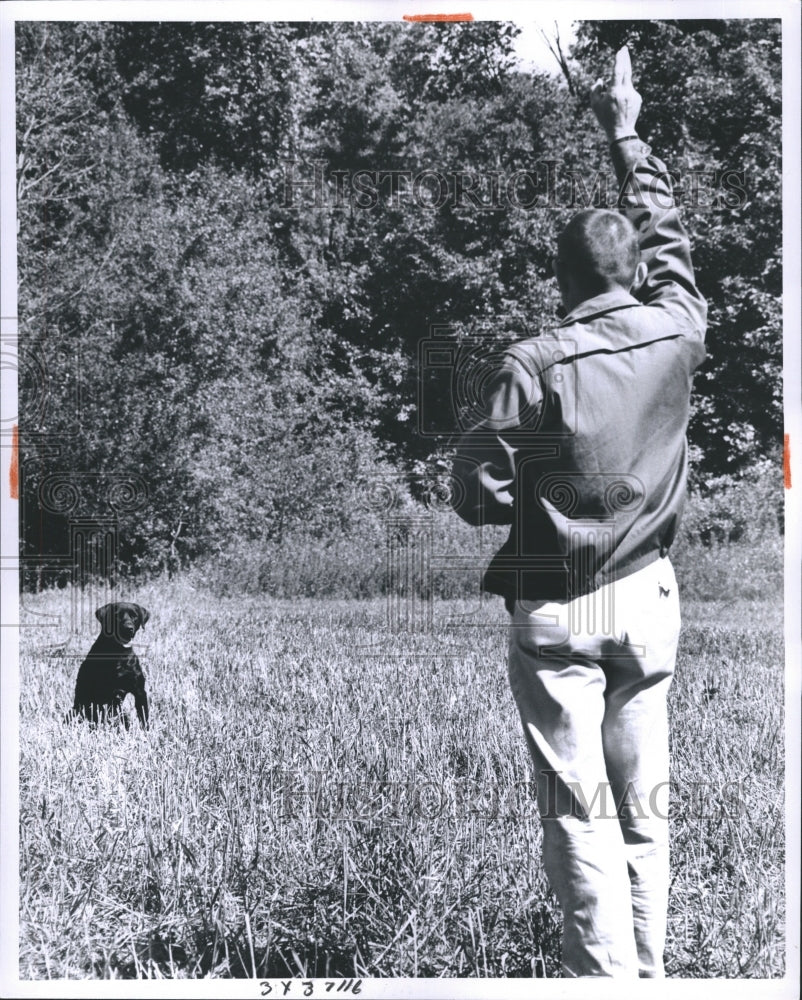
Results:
x,y
320,795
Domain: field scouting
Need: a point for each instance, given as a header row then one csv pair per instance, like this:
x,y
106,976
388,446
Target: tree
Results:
x,y
217,92
398,116
192,341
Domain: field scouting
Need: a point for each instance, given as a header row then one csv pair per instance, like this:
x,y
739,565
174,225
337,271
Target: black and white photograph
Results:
x,y
400,465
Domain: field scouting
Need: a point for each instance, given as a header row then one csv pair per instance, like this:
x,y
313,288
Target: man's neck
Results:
x,y
574,297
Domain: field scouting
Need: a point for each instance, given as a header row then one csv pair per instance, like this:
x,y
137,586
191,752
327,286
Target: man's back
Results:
x,y
583,451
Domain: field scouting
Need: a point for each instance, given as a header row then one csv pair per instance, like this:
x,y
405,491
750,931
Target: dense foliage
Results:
x,y
235,237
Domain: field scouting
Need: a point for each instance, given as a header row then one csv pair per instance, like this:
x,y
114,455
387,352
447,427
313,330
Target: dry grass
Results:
x,y
320,796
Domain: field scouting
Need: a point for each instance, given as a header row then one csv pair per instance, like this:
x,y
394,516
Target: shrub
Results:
x,y
730,508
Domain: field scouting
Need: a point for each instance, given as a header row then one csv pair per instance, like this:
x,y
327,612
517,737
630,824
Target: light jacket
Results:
x,y
582,447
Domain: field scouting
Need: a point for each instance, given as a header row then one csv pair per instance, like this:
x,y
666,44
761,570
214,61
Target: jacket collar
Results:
x,y
606,302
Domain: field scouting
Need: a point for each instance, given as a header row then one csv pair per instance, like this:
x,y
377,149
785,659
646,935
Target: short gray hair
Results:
x,y
599,247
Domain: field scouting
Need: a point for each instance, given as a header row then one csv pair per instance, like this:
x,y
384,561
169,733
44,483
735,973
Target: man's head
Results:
x,y
597,252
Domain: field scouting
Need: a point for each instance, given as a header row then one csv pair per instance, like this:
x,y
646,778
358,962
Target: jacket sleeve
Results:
x,y
485,462
647,199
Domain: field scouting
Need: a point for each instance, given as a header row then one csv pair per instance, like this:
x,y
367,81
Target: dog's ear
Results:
x,y
143,614
105,616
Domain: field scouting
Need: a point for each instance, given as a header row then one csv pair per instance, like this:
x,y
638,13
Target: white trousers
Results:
x,y
590,678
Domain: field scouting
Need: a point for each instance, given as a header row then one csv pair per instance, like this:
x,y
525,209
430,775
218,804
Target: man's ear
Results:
x,y
640,276
143,614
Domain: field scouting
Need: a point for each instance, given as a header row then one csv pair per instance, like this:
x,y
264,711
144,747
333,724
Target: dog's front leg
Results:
x,y
142,708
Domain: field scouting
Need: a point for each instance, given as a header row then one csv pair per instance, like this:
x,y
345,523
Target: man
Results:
x,y
583,452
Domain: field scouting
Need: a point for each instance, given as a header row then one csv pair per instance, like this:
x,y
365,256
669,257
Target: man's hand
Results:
x,y
616,104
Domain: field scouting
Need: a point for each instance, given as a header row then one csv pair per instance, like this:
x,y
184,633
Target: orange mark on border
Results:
x,y
787,461
428,18
13,472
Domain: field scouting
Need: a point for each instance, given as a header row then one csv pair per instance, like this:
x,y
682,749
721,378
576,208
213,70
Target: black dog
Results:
x,y
111,669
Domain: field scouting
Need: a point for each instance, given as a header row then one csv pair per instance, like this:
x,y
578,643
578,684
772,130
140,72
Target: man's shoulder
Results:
x,y
609,331
537,354
534,354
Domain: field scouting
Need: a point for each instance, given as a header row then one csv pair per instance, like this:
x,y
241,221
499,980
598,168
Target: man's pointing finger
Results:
x,y
622,71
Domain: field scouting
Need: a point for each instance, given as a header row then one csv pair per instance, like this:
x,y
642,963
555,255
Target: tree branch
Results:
x,y
559,55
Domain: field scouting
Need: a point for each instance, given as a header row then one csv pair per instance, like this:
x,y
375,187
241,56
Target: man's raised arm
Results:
x,y
647,199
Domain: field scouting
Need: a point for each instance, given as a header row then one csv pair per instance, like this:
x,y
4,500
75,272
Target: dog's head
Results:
x,y
122,620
